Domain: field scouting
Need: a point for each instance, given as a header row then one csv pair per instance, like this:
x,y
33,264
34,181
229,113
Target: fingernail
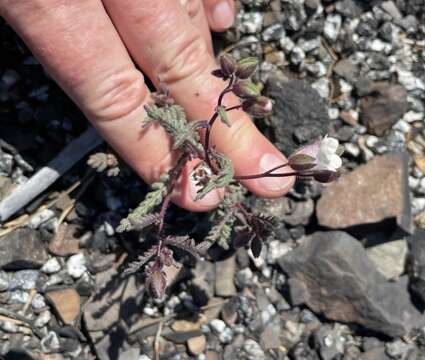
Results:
x,y
267,162
223,15
210,199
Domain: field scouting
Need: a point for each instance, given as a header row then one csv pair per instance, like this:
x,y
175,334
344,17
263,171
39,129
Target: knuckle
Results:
x,y
188,58
193,7
118,95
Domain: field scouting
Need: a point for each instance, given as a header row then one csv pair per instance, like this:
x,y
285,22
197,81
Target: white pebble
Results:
x,y
332,26
76,265
217,325
51,266
43,318
333,113
412,116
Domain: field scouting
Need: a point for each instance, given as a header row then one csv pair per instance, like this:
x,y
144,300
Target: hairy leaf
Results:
x,y
141,260
152,199
186,243
101,161
173,120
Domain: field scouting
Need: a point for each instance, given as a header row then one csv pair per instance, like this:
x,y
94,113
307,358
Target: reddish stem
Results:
x,y
173,180
267,173
212,120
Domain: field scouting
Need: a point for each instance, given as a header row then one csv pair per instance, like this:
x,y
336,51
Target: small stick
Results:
x,y
47,175
156,342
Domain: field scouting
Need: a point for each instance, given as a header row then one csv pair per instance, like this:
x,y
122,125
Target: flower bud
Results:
x,y
246,67
326,176
157,283
227,65
246,89
258,107
301,162
218,73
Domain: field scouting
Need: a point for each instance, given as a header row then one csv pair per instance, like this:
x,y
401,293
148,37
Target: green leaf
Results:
x,y
223,115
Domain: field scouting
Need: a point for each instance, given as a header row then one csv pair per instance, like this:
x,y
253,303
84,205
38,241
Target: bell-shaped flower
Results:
x,y
323,155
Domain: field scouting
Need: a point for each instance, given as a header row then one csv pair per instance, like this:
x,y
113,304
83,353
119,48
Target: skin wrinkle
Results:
x,y
183,63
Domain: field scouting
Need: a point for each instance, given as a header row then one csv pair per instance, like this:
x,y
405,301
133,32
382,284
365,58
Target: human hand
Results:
x,y
94,50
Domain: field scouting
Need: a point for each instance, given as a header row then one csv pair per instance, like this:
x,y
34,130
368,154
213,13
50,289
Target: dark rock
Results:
x,y
416,263
22,249
383,107
370,194
299,114
340,282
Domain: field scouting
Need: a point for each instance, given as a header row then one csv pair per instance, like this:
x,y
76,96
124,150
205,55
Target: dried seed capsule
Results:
x,y
258,107
246,67
246,89
227,65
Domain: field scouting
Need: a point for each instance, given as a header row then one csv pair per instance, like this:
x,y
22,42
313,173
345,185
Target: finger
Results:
x,y
80,48
220,13
195,10
171,48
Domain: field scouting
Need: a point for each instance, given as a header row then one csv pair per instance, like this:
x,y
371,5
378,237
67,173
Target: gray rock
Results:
x,y
251,23
330,341
383,107
4,281
51,266
346,69
224,277
294,14
350,8
50,343
297,55
322,86
299,115
389,258
253,350
23,280
332,26
43,319
331,273
22,249
375,354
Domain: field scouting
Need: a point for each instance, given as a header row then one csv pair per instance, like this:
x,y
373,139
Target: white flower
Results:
x,y
320,156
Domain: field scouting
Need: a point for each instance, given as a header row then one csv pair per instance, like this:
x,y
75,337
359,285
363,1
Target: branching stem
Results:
x,y
212,120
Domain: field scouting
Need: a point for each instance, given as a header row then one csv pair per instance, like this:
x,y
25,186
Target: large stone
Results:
x,y
416,263
383,107
299,113
22,249
331,273
389,258
370,194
